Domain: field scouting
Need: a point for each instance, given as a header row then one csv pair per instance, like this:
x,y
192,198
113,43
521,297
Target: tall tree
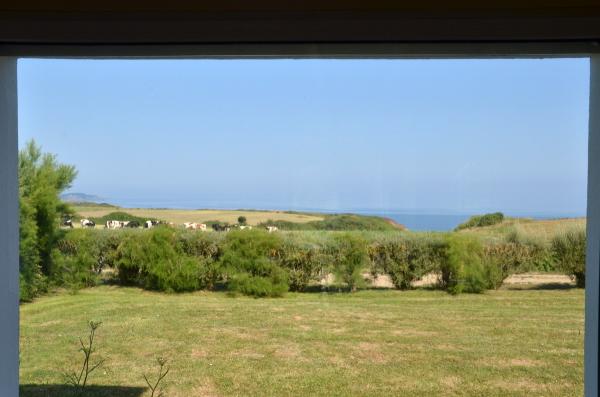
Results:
x,y
41,181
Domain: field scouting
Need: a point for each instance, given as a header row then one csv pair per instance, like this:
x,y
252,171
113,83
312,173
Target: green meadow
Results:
x,y
526,342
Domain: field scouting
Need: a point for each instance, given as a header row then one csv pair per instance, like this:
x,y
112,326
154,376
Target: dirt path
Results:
x,y
384,281
538,278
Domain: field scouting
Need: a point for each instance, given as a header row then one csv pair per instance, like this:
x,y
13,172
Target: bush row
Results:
x,y
261,264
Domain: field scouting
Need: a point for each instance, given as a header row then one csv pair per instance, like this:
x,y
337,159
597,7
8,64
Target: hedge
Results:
x,y
258,263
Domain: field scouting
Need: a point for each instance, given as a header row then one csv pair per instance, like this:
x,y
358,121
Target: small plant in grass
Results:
x,y
163,370
79,379
242,220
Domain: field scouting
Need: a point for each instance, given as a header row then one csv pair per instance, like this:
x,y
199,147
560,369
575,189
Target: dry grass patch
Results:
x,y
414,333
510,362
199,353
520,385
525,362
248,353
180,216
289,351
369,351
450,381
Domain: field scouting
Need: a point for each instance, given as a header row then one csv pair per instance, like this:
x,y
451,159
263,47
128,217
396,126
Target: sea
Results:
x,y
416,220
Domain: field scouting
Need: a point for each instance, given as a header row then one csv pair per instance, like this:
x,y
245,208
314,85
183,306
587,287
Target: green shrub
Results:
x,y
463,269
107,242
176,273
302,261
202,245
517,254
81,255
31,280
344,222
569,251
501,260
249,262
155,259
274,285
79,259
349,256
535,253
75,271
406,259
130,257
482,220
491,219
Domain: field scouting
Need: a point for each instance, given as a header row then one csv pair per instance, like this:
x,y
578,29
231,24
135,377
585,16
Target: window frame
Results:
x,y
9,210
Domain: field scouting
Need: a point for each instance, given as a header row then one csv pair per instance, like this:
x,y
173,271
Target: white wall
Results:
x,y
9,231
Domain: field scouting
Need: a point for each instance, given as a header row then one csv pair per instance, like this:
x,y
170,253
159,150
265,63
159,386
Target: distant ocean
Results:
x,y
417,220
424,222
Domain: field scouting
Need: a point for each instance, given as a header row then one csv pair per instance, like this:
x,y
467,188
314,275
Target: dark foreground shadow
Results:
x,y
70,391
545,286
314,289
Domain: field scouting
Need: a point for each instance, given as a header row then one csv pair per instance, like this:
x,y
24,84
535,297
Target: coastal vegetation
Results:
x,y
300,255
259,263
322,320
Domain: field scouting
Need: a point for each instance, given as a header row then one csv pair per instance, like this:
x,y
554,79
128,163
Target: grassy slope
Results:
x,y
543,229
417,343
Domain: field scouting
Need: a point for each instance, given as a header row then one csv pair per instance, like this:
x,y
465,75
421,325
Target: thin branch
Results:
x,y
161,362
80,381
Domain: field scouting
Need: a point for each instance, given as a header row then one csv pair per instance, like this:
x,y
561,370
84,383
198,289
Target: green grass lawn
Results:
x,y
416,343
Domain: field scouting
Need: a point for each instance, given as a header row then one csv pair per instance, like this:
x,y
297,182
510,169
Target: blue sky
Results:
x,y
418,135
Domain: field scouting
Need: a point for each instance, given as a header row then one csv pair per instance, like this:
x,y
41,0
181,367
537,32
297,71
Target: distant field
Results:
x,y
543,229
371,343
200,216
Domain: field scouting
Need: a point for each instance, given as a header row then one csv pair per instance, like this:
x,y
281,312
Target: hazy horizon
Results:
x,y
195,204
456,136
